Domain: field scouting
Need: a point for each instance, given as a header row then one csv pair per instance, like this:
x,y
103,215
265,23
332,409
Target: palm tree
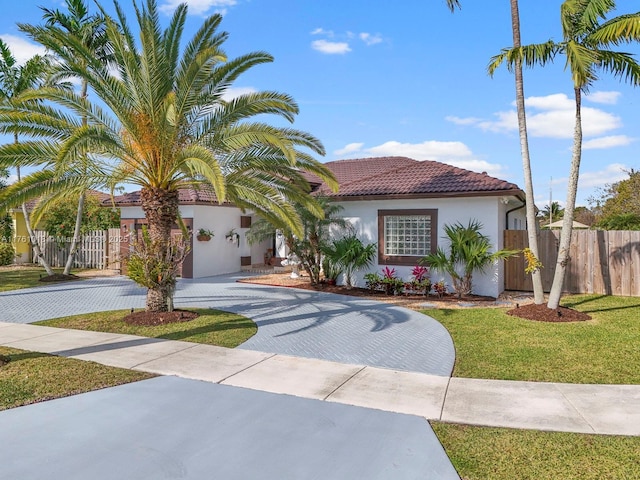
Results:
x,y
469,252
585,45
14,80
532,224
350,255
168,123
89,30
309,245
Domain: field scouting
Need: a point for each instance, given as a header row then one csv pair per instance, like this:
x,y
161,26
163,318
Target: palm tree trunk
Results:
x,y
37,251
76,231
567,221
161,210
532,224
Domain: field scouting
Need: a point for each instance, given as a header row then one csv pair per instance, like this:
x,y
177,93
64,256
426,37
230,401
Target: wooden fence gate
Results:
x,y
602,262
98,249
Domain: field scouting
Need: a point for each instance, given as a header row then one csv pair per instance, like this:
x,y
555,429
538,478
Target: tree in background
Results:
x,y
89,31
60,217
15,80
618,204
585,44
550,213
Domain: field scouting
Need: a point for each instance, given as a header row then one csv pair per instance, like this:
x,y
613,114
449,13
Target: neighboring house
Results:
x,y
21,241
403,204
397,202
199,210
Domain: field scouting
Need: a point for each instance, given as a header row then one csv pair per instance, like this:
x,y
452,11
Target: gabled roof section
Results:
x,y
400,176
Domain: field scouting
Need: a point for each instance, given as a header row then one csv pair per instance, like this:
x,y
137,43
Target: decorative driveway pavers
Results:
x,y
290,321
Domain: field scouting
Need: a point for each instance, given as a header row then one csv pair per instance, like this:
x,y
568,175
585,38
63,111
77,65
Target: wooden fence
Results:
x,y
602,262
98,249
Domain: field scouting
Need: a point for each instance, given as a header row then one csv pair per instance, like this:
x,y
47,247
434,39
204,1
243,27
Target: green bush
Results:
x,y
7,253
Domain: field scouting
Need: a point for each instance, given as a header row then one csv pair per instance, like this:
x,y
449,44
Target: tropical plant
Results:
x,y
516,66
331,270
373,281
167,123
7,253
421,283
89,31
550,213
469,251
392,284
16,79
585,44
351,255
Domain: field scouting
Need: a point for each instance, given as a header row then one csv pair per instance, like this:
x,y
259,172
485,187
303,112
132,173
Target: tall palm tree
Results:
x,y
15,79
532,224
89,30
585,44
168,123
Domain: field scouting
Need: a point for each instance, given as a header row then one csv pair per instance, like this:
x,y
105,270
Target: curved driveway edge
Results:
x,y
290,321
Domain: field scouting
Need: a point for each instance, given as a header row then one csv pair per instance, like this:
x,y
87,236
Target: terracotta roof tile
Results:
x,y
186,196
412,177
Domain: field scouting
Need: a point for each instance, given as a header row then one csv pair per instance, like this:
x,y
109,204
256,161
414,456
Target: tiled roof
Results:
x,y
187,195
398,176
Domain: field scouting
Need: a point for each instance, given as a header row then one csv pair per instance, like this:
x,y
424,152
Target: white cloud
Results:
x,y
197,7
349,149
452,153
322,31
370,39
21,48
609,98
233,92
607,142
552,116
330,48
612,173
463,121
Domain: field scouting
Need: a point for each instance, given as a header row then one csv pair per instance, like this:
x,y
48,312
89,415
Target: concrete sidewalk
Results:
x,y
600,409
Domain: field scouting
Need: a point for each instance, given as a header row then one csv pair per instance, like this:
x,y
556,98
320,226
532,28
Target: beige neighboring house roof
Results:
x,y
558,224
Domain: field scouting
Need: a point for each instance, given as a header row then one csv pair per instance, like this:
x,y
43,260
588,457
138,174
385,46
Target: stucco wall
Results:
x,y
489,211
216,256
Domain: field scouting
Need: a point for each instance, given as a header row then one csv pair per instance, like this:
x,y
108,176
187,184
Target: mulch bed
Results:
x,y
150,319
59,277
540,313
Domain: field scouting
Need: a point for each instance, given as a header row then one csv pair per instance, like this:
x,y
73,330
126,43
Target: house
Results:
x,y
399,203
403,204
224,252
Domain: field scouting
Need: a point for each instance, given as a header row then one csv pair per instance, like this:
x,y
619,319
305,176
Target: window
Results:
x,y
405,236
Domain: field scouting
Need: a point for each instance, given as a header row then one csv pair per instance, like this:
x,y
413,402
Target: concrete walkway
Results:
x,y
601,409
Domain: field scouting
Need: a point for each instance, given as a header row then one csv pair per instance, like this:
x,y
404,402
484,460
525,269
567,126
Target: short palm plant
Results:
x,y
351,255
469,252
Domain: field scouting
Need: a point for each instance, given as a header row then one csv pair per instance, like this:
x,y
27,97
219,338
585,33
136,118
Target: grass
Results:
x,y
35,377
491,344
23,277
212,327
501,454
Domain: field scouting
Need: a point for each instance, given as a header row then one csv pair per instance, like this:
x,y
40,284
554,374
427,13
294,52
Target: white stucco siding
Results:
x,y
486,210
217,256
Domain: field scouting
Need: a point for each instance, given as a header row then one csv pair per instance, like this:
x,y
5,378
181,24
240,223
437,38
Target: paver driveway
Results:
x,y
290,321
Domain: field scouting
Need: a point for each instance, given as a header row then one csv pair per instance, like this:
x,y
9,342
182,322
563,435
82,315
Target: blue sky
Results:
x,y
409,78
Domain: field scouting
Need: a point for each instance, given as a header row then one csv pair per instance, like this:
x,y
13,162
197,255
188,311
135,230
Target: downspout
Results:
x,y
513,210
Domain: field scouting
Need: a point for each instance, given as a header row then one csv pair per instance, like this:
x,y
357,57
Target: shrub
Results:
x,y
7,253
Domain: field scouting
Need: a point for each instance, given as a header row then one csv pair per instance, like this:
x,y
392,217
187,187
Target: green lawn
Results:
x,y
480,453
35,377
24,277
491,344
212,327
